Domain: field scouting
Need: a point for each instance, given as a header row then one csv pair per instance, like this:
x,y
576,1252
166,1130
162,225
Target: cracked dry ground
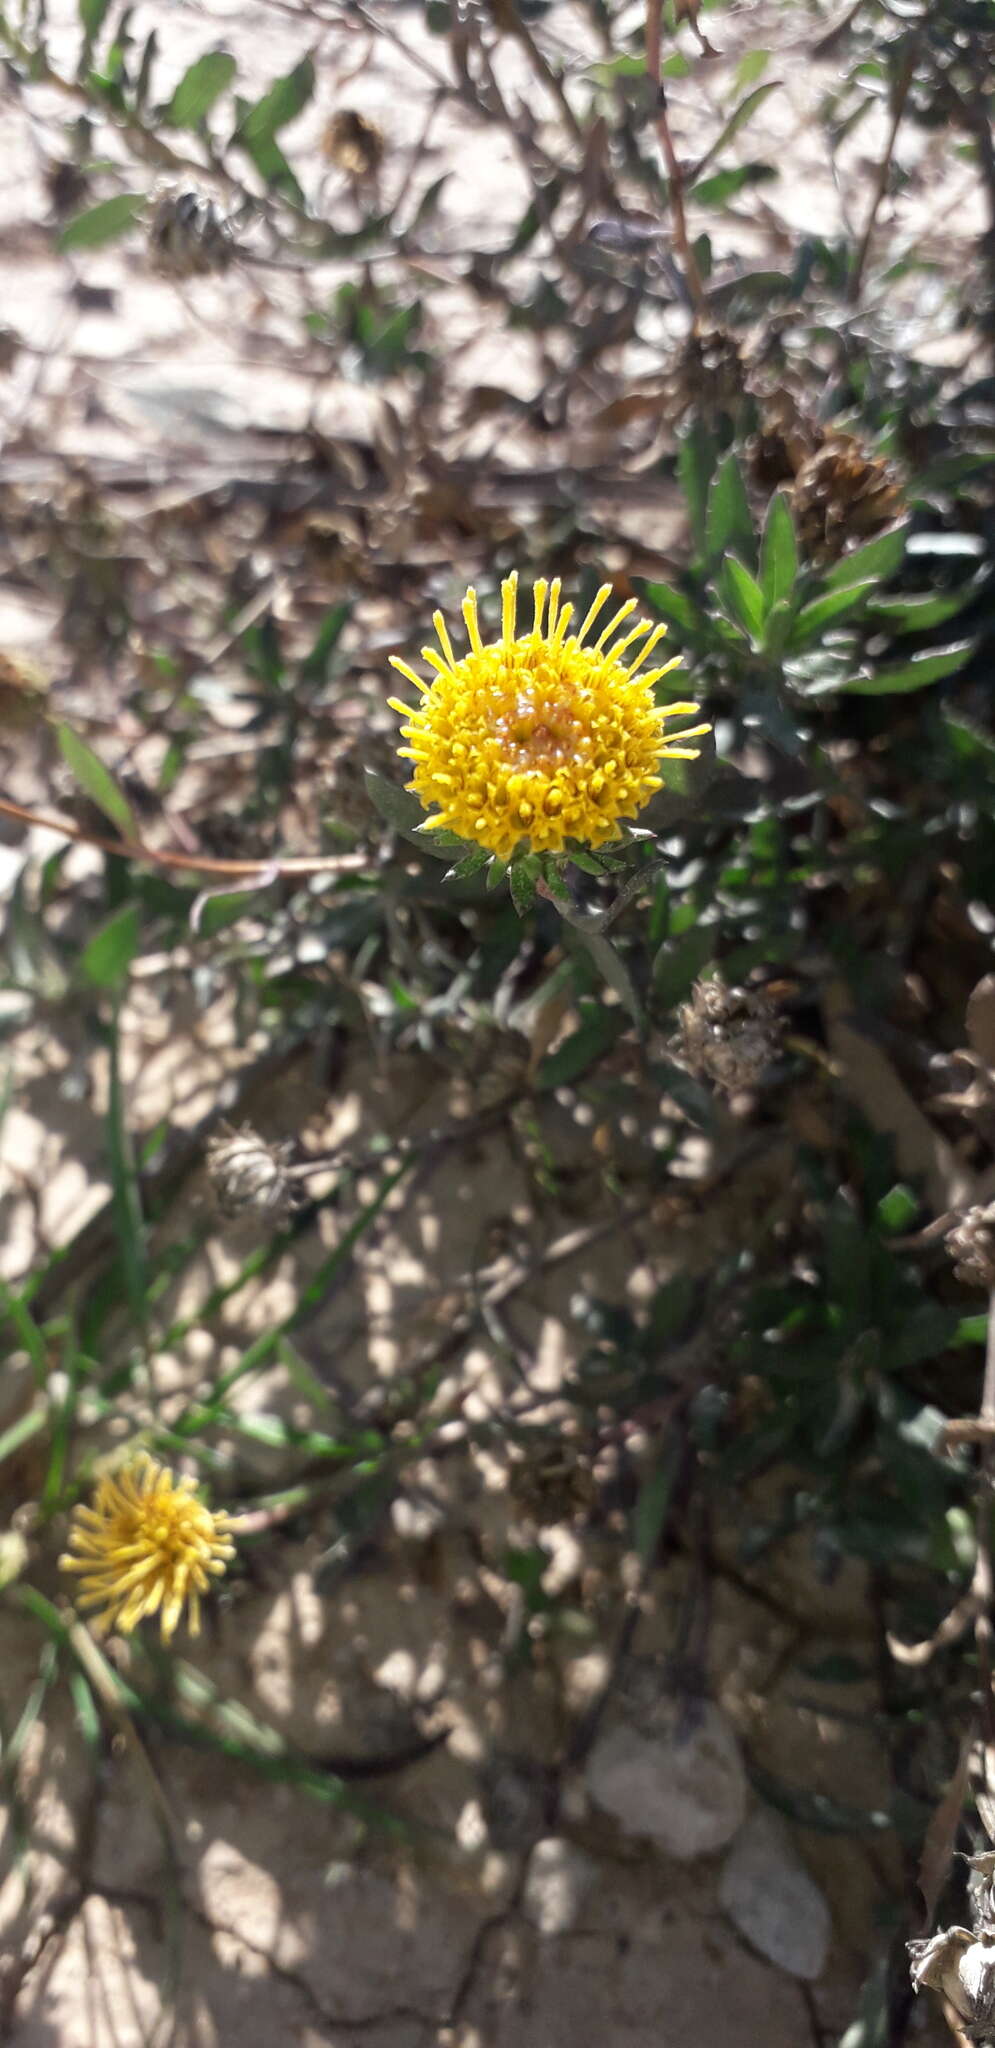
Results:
x,y
510,1865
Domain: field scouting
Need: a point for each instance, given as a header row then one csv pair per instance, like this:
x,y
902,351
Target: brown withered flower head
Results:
x,y
961,1966
841,496
248,1175
971,1244
710,372
189,236
729,1036
354,144
785,439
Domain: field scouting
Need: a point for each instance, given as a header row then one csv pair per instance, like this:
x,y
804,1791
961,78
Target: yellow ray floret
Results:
x,y
541,737
146,1546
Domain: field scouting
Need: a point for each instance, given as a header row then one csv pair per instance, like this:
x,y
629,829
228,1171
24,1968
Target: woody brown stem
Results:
x,y
675,176
191,863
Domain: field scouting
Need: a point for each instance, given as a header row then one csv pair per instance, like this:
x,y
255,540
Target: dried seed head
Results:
x,y
842,495
971,1244
962,1967
729,1036
249,1176
786,438
969,1083
710,372
189,236
354,144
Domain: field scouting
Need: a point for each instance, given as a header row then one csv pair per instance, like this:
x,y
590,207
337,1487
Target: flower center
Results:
x,y
538,735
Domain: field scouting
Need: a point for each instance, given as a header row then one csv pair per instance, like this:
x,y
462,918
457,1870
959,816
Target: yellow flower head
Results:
x,y
146,1546
541,737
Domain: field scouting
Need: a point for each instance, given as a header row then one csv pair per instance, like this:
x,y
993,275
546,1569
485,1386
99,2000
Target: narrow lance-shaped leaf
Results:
x,y
778,552
729,522
106,960
823,611
198,89
97,782
742,596
912,675
879,558
286,98
695,467
102,223
737,120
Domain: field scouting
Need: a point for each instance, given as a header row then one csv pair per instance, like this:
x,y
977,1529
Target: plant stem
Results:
x,y
983,1582
675,176
902,84
268,870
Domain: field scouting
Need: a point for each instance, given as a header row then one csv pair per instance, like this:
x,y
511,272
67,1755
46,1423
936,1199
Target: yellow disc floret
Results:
x,y
541,737
146,1546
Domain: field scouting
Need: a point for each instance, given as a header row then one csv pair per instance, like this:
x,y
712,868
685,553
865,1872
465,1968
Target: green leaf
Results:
x,y
315,664
97,782
742,596
823,610
750,68
198,89
613,967
470,865
695,468
400,809
912,675
144,80
595,1035
777,627
879,560
724,185
522,878
225,907
107,958
970,1330
728,521
896,1209
279,106
737,120
921,611
92,14
102,223
673,605
778,552
679,963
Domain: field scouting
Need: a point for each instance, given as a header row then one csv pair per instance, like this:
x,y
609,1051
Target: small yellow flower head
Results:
x,y
541,737
146,1546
